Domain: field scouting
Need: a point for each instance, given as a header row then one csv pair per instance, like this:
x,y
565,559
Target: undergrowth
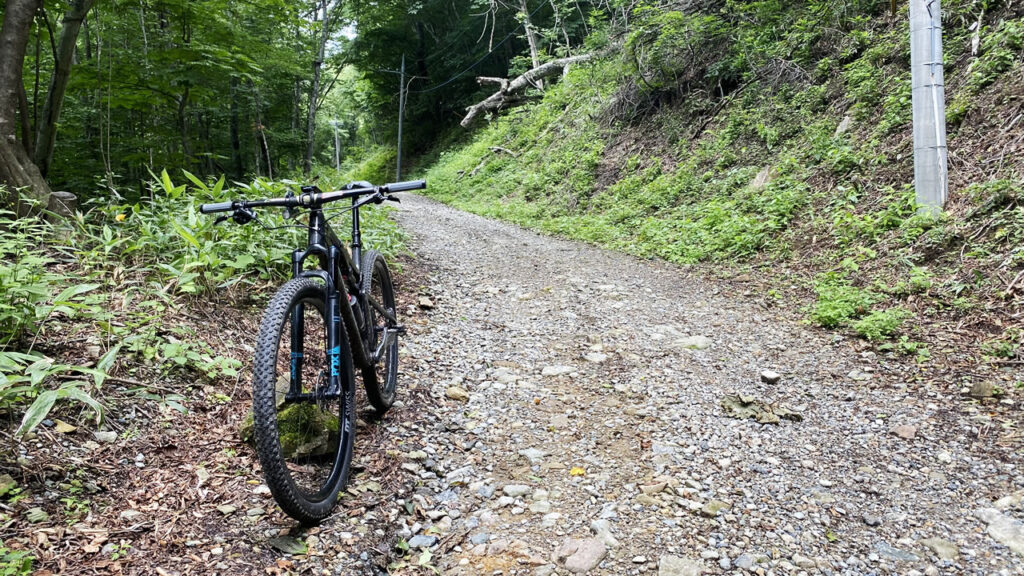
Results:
x,y
766,134
114,274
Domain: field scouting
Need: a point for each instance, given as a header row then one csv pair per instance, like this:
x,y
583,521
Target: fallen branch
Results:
x,y
509,87
505,150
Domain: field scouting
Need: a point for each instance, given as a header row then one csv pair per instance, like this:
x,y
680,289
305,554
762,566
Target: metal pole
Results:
x,y
337,154
401,113
929,106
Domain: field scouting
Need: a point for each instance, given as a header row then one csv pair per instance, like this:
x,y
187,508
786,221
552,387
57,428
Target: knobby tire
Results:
x,y
304,477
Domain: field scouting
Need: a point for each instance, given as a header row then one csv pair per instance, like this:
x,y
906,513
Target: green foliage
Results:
x,y
22,378
377,166
1007,346
162,247
907,347
675,49
14,562
1000,50
838,302
880,324
26,281
854,225
166,238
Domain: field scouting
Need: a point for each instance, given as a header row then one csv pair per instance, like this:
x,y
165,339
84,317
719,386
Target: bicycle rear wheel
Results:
x,y
304,430
381,331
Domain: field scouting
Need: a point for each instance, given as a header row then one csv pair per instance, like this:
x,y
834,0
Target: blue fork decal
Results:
x,y
335,354
295,364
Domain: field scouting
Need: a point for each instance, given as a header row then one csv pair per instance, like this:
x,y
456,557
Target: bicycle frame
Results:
x,y
339,270
340,273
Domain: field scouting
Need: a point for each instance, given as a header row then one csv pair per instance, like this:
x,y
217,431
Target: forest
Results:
x,y
764,145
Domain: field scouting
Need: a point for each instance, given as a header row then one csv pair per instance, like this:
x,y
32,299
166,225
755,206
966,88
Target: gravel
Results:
x,y
595,380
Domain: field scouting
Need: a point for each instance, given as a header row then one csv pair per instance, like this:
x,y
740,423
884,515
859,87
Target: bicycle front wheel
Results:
x,y
303,402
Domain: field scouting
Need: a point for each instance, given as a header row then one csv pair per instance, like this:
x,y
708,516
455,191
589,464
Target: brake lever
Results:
x,y
221,219
288,212
243,215
393,198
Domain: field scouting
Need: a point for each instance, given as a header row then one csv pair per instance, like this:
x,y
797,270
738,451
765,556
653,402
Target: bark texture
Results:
x,y
17,171
46,131
509,88
314,89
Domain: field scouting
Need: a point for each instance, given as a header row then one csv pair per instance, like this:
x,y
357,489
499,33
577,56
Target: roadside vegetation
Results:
x,y
99,324
770,143
106,283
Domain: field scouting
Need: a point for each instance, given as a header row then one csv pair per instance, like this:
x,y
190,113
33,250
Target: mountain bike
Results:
x,y
320,327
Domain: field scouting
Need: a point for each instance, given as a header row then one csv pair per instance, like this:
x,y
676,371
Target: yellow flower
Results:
x,y
577,471
119,217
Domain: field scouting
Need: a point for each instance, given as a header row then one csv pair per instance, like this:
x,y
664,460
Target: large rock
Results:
x,y
557,370
580,556
944,549
694,342
1004,529
669,565
457,394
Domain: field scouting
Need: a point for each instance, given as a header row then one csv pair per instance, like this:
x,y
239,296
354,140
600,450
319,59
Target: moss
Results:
x,y
305,430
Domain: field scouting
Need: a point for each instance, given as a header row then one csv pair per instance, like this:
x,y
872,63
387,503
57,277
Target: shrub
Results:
x,y
881,324
25,281
838,303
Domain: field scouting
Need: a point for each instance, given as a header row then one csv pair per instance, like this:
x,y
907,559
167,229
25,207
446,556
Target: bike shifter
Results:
x,y
289,213
243,215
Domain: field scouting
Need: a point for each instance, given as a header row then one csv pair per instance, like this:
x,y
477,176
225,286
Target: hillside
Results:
x,y
771,143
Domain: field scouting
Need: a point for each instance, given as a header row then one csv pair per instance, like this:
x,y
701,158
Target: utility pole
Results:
x,y
401,114
929,105
337,146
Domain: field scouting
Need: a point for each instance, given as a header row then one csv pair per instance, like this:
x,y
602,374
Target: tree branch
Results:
x,y
508,87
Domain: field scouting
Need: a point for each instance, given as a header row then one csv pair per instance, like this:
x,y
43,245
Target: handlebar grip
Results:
x,y
406,186
217,207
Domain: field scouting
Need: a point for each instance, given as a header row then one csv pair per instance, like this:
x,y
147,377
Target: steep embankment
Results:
x,y
772,141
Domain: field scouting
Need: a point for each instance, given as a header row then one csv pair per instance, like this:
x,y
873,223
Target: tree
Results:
x,y
46,131
17,170
326,11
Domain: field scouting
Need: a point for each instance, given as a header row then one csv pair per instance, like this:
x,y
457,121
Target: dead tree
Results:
x,y
509,90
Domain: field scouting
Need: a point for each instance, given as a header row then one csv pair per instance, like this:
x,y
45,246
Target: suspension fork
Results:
x,y
297,330
334,320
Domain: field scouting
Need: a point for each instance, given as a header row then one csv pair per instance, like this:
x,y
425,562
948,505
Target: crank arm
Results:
x,y
390,335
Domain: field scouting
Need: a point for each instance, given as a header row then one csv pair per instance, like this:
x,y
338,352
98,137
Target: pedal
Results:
x,y
399,329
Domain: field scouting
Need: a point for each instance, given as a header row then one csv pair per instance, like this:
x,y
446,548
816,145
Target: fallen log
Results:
x,y
508,88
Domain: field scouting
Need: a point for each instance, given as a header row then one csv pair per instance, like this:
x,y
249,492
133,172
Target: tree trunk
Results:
x,y
26,126
314,89
16,168
46,131
509,88
186,148
531,38
236,145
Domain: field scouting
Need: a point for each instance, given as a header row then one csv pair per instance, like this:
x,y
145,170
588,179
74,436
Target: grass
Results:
x,y
610,156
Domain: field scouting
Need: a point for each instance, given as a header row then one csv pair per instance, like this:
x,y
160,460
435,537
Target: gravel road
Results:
x,y
589,412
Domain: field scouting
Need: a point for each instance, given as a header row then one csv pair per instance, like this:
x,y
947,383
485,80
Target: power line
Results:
x,y
478,62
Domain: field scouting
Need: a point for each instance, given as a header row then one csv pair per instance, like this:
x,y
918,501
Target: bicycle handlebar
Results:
x,y
311,196
218,207
405,186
